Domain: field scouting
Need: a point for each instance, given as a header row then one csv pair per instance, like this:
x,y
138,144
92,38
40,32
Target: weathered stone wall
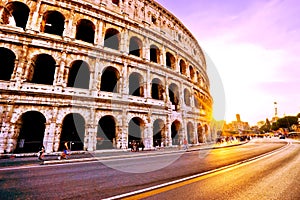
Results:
x,y
146,20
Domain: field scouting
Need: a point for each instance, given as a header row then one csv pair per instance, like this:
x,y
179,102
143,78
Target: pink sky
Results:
x,y
255,47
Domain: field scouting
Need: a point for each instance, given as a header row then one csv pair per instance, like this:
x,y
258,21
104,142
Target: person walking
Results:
x,y
41,153
185,144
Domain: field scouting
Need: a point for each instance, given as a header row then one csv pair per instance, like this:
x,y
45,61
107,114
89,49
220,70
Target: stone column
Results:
x,y
124,43
124,131
125,81
99,40
60,70
56,137
32,24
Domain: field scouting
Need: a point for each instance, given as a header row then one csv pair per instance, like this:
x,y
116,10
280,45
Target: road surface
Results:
x,y
105,179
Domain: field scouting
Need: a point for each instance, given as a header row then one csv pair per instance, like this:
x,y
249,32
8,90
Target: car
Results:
x,y
282,137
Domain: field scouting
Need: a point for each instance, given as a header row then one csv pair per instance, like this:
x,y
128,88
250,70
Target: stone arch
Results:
x,y
174,95
190,133
136,87
79,75
170,61
175,129
187,97
182,65
154,53
106,133
85,31
42,69
200,133
197,102
158,132
135,46
112,39
31,128
192,73
109,80
136,128
157,89
73,132
16,14
7,63
53,23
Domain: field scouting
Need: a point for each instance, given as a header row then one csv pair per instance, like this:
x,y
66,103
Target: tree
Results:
x,y
287,122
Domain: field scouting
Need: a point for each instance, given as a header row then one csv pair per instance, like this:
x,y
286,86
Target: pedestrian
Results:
x,y
185,144
65,151
142,145
41,153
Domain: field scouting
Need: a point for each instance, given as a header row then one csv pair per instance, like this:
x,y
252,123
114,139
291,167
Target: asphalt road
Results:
x,y
98,180
273,177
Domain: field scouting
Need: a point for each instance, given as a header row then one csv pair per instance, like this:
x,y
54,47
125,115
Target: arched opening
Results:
x,y
43,69
116,2
174,96
79,75
197,101
154,54
198,77
106,133
16,14
187,97
170,60
109,80
32,129
112,39
53,23
192,73
182,67
157,89
136,87
135,47
7,63
85,31
73,132
135,130
190,133
158,132
175,128
200,133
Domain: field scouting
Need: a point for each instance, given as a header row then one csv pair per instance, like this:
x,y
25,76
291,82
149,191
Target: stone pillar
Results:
x,y
163,56
56,136
125,80
60,70
32,24
124,43
124,131
99,40
147,84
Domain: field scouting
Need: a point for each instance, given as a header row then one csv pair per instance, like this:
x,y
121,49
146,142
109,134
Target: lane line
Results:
x,y
150,191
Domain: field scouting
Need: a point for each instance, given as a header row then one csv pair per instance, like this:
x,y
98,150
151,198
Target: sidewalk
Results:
x,y
83,156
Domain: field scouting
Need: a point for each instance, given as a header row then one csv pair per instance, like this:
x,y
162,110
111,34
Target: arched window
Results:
x,y
192,73
53,23
136,87
154,54
109,80
112,39
16,14
42,70
116,2
85,31
174,95
157,89
106,133
79,76
7,63
170,60
187,97
182,67
135,47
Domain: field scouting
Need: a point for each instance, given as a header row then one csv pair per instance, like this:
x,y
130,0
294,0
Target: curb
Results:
x,y
49,162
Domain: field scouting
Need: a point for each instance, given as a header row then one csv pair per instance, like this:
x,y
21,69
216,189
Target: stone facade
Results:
x,y
98,74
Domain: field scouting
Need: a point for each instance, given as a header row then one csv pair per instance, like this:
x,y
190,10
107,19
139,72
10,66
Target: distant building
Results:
x,y
237,126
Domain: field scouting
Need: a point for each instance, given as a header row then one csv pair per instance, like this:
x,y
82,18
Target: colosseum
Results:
x,y
99,74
